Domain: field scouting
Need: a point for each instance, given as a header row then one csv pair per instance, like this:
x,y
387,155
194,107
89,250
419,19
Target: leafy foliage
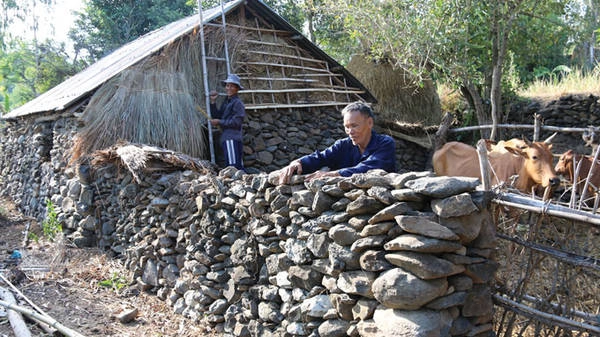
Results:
x,y
51,227
116,282
27,69
105,25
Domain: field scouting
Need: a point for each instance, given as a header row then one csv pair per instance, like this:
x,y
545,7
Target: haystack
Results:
x,y
398,99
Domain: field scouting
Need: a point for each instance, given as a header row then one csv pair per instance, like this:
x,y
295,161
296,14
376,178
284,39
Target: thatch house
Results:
x,y
152,91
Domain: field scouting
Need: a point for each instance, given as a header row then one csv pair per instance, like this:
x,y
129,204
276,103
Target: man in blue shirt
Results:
x,y
362,150
230,117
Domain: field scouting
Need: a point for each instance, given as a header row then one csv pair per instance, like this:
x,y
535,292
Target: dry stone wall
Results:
x,y
375,254
35,153
576,111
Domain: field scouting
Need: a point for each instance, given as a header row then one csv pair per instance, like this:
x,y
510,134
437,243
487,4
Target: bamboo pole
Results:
x,y
589,176
518,126
14,317
543,316
46,319
538,206
570,258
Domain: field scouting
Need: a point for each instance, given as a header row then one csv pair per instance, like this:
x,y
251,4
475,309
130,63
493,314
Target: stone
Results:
x,y
377,228
382,194
482,272
467,227
343,235
456,205
304,277
370,242
343,304
478,302
452,300
423,226
417,243
374,260
442,187
399,289
356,282
333,328
425,266
322,202
390,212
401,323
406,194
316,306
364,205
364,309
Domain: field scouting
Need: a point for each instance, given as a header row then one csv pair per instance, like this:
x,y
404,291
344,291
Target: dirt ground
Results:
x,y
74,287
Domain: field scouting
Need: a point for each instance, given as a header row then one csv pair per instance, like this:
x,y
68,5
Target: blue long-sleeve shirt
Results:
x,y
347,159
231,115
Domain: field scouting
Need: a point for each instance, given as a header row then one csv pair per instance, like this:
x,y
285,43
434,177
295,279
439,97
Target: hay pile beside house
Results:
x,y
399,99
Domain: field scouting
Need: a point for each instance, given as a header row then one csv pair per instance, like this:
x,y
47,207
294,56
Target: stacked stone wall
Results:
x,y
575,111
371,255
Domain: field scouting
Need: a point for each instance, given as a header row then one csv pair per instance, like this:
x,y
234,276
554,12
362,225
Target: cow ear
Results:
x,y
488,144
515,150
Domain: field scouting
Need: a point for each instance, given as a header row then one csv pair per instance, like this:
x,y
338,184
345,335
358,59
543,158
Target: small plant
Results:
x,y
116,282
51,226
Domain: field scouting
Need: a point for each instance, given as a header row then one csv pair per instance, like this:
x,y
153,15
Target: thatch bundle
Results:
x,y
398,98
156,101
140,159
148,107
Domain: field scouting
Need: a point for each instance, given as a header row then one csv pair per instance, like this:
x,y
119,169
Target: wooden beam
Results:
x,y
287,56
297,105
281,91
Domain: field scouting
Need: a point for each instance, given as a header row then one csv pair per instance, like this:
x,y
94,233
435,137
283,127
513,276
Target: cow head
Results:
x,y
564,166
537,168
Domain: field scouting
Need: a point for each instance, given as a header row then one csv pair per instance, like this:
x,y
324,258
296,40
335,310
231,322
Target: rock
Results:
x,y
422,244
425,266
399,289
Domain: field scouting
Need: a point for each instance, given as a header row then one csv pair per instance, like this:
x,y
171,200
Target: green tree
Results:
x,y
105,25
463,42
28,69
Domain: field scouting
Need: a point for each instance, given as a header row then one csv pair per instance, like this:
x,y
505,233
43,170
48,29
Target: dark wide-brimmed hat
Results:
x,y
233,78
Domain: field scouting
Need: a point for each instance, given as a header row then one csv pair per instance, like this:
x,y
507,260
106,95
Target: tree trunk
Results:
x,y
476,102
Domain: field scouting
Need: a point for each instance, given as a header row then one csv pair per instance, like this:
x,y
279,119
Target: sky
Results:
x,y
54,21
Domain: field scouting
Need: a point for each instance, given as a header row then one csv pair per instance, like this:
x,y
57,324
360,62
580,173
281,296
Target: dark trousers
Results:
x,y
232,151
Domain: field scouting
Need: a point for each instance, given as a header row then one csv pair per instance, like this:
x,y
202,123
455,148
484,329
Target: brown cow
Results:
x,y
500,147
565,167
532,164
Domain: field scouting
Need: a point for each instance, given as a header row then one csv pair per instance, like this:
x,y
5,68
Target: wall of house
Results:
x,y
35,154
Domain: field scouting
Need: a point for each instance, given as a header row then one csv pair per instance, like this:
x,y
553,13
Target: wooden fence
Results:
x,y
548,280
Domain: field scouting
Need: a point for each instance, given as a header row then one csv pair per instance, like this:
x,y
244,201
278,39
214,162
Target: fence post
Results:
x,y
483,164
537,126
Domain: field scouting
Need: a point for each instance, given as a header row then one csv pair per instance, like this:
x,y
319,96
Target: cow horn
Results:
x,y
549,139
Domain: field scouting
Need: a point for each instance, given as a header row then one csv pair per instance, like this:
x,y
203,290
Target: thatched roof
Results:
x,y
77,88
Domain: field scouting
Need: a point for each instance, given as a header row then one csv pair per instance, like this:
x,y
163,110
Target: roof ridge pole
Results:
x,y
205,79
226,47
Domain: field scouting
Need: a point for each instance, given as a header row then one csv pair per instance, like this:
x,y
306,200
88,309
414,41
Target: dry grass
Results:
x,y
525,274
575,82
399,99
